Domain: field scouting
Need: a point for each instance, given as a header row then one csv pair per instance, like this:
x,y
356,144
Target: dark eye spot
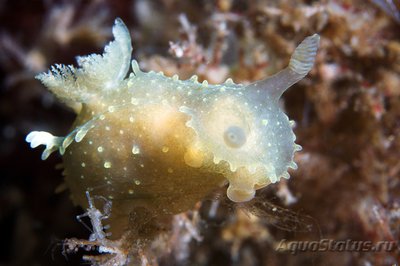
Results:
x,y
234,137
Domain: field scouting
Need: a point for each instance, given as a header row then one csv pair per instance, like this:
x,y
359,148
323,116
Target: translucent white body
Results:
x,y
229,130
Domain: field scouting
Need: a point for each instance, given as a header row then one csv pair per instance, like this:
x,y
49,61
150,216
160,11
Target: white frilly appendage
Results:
x,y
36,138
53,143
96,74
108,70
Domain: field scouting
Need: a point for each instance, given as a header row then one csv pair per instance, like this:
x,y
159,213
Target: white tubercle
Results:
x,y
52,143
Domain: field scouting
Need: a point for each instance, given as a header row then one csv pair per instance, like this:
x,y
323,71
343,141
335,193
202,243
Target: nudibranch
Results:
x,y
147,141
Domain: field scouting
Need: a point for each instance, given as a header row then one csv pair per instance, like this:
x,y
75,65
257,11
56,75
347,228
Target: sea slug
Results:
x,y
155,144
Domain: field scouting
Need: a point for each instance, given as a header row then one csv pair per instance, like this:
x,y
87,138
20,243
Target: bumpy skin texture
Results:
x,y
154,143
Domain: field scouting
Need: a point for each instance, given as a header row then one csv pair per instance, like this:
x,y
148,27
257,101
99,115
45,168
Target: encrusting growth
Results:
x,y
154,145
